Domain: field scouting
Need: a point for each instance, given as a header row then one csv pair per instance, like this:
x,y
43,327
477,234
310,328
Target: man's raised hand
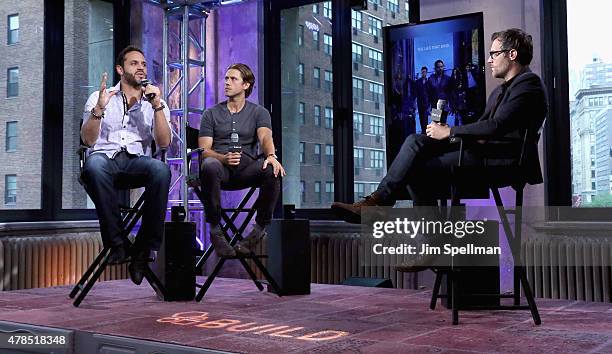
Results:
x,y
104,96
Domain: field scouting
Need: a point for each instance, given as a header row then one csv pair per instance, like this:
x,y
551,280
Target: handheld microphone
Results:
x,y
234,145
145,83
439,114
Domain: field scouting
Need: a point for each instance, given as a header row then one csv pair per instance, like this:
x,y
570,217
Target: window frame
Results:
x,y
7,147
9,30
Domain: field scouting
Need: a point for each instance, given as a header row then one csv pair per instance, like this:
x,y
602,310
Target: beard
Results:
x,y
131,80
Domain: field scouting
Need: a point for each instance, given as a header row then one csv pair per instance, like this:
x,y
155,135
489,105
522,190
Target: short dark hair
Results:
x,y
518,40
247,76
121,56
423,68
438,61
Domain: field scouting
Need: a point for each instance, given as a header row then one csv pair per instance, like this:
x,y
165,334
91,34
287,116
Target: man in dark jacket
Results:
x,y
517,105
422,97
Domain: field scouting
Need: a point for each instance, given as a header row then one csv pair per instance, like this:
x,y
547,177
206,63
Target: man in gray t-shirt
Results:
x,y
230,133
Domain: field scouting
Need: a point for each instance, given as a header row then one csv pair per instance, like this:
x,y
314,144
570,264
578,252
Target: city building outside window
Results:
x,y
317,154
10,189
316,77
356,19
375,59
377,125
315,39
327,44
327,9
301,73
302,112
393,5
359,190
303,191
357,88
317,191
329,118
315,8
377,158
329,154
407,9
11,136
377,92
13,29
302,152
12,82
329,80
374,26
317,116
358,157
300,35
329,191
358,123
357,53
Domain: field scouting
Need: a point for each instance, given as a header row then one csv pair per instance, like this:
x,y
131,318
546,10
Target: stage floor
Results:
x,y
235,317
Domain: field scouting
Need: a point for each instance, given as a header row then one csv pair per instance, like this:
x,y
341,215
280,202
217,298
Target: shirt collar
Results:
x,y
507,84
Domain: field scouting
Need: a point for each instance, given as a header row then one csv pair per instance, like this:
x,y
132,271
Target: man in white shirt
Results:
x,y
119,125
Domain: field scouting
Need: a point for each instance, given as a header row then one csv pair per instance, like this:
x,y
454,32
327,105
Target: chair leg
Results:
x,y
436,290
248,269
154,281
268,276
529,295
90,283
517,287
209,280
453,299
92,267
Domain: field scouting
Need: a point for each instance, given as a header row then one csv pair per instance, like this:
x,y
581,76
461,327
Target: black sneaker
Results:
x,y
118,254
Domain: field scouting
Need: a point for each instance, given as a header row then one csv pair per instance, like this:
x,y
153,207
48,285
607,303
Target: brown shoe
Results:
x,y
351,213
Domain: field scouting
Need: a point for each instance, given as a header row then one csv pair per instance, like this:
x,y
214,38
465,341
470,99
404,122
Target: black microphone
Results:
x,y
145,83
234,145
439,114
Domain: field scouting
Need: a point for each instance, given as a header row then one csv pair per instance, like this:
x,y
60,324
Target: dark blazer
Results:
x,y
421,93
522,108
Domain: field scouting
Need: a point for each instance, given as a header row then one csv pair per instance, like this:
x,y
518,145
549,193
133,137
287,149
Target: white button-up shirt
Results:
x,y
131,129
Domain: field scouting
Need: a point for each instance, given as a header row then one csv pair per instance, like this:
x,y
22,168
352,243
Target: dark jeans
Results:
x,y
104,177
423,167
423,118
249,173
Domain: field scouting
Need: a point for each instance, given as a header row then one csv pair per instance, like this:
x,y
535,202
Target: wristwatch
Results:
x,y
272,155
161,106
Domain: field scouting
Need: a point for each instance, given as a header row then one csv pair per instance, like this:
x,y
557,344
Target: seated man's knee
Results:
x,y
95,165
159,170
210,165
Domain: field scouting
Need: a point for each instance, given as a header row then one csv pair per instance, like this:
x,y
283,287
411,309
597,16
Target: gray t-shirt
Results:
x,y
217,122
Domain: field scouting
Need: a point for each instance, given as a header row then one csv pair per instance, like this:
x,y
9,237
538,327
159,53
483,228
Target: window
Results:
x,y
315,8
377,2
13,29
329,118
357,53
329,80
327,9
301,73
356,19
11,136
329,154
10,189
329,191
374,26
317,116
377,158
377,92
376,125
359,191
303,191
358,158
315,39
317,191
316,77
12,84
357,88
375,59
407,9
302,112
327,44
358,123
317,154
302,152
301,35
393,5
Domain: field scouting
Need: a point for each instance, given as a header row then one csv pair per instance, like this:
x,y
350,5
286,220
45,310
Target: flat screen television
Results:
x,y
453,45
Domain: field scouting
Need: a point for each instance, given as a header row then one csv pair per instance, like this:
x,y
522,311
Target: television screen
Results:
x,y
441,59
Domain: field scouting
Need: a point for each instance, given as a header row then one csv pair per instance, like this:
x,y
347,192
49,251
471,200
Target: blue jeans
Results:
x,y
105,177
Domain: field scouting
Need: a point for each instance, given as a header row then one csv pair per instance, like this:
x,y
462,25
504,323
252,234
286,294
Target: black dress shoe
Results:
x,y
247,245
118,254
137,267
